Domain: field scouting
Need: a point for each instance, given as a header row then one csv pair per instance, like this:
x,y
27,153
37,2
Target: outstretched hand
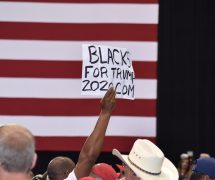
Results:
x,y
108,101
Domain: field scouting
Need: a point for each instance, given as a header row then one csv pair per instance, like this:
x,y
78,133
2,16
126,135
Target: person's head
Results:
x,y
59,168
203,169
104,171
204,155
184,161
17,149
146,161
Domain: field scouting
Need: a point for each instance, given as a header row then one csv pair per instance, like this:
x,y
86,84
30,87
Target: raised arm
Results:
x,y
94,143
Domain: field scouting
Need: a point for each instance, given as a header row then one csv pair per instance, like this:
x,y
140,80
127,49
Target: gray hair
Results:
x,y
17,148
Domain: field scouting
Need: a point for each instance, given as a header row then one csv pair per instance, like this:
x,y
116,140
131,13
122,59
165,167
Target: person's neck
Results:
x,y
4,175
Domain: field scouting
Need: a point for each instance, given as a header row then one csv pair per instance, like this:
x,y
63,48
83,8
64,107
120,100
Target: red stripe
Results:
x,y
40,69
73,107
87,1
123,144
146,70
62,69
56,31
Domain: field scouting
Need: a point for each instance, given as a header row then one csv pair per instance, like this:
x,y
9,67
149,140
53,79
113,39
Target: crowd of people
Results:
x,y
145,161
202,168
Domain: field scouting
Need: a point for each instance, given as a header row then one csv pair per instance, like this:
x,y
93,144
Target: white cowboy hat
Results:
x,y
148,161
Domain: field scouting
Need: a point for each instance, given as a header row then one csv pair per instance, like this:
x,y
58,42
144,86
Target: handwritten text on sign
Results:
x,y
105,66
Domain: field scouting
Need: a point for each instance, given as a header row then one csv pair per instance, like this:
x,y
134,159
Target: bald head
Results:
x,y
17,148
60,167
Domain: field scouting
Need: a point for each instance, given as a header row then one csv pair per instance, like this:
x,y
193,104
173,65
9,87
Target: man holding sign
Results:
x,y
105,66
94,143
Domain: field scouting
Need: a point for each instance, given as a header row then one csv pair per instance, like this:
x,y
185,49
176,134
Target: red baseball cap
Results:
x,y
105,171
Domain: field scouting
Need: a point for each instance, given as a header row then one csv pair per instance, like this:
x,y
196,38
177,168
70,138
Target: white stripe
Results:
x,y
70,50
63,88
79,12
74,126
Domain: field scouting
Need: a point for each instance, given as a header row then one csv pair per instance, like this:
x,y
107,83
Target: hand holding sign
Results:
x,y
105,66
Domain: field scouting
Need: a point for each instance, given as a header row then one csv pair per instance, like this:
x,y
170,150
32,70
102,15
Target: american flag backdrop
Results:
x,y
41,62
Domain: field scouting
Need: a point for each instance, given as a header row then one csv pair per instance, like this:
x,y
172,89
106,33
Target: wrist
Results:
x,y
105,113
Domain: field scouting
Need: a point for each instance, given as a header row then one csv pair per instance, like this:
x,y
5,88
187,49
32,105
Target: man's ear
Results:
x,y
34,160
67,173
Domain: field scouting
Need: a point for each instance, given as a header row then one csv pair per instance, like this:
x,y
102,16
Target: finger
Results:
x,y
109,92
113,94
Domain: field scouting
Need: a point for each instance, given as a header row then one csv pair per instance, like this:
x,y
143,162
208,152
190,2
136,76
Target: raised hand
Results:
x,y
108,101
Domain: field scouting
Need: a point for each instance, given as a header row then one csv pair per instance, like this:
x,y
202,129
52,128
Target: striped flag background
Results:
x,y
41,62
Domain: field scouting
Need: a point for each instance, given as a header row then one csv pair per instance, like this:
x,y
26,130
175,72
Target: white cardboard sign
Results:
x,y
105,66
